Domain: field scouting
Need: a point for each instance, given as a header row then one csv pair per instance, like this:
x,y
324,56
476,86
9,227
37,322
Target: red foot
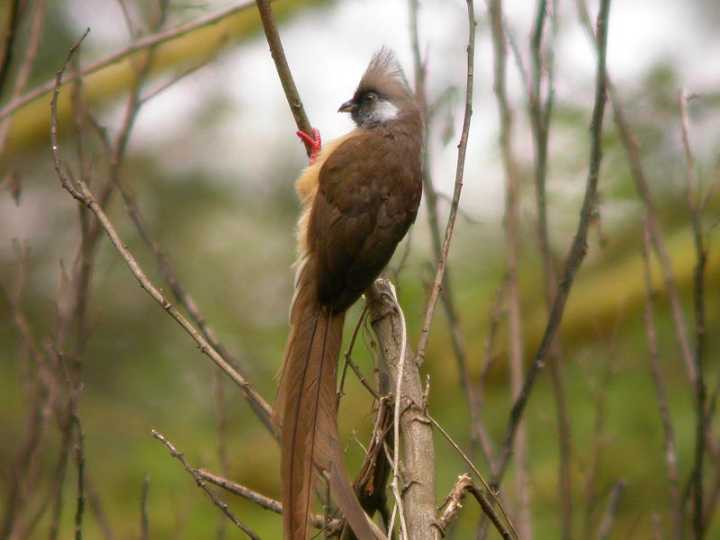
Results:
x,y
314,141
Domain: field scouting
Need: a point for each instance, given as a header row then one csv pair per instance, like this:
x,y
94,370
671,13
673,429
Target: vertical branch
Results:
x,y
478,432
694,203
416,436
10,39
23,74
660,393
578,248
144,520
524,523
283,69
608,520
80,464
540,117
459,172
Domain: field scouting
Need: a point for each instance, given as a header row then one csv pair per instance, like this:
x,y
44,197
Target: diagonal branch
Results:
x,y
283,69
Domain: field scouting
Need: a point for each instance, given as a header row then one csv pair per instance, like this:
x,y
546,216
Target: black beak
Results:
x,y
348,106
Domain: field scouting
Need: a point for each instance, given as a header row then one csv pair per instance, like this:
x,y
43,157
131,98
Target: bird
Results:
x,y
359,196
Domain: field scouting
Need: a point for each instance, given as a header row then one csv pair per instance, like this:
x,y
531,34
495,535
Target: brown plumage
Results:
x,y
359,198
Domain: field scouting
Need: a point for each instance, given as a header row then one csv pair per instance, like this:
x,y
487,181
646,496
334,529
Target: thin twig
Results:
x,y
459,173
139,45
493,494
694,197
267,503
144,519
80,464
395,485
578,248
203,485
283,69
454,503
348,355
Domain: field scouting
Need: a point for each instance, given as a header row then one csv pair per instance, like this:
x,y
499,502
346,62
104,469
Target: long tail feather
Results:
x,y
307,401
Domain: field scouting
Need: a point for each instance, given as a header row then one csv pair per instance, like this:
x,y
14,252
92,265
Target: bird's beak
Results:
x,y
348,106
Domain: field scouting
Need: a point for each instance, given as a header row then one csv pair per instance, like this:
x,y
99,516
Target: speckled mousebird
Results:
x,y
360,194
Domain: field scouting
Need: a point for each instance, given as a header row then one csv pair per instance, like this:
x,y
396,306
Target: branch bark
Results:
x,y
416,437
283,69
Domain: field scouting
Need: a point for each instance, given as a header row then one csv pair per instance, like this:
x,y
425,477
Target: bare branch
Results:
x,y
540,116
459,173
695,205
578,247
454,502
80,464
608,520
283,69
511,222
660,391
267,503
144,519
418,454
203,485
495,496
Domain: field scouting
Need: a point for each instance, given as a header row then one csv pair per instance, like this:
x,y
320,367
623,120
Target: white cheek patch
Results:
x,y
384,111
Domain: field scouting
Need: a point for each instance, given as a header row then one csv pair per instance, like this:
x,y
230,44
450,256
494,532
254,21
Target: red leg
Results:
x,y
314,141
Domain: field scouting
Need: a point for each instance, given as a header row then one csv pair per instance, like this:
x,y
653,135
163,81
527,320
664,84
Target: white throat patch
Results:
x,y
384,111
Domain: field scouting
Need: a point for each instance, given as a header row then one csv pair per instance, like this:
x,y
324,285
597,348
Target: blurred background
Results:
x,y
211,159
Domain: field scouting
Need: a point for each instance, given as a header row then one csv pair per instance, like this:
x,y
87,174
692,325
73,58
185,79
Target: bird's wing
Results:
x,y
367,198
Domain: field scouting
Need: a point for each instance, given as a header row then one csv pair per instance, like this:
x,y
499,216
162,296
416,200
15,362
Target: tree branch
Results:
x,y
454,503
416,438
283,69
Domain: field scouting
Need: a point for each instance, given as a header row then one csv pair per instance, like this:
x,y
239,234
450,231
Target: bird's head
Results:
x,y
383,93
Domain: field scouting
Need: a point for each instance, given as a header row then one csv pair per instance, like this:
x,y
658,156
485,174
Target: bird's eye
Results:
x,y
371,96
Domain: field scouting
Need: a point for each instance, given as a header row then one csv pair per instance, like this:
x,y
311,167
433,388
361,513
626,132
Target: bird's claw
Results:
x,y
313,142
